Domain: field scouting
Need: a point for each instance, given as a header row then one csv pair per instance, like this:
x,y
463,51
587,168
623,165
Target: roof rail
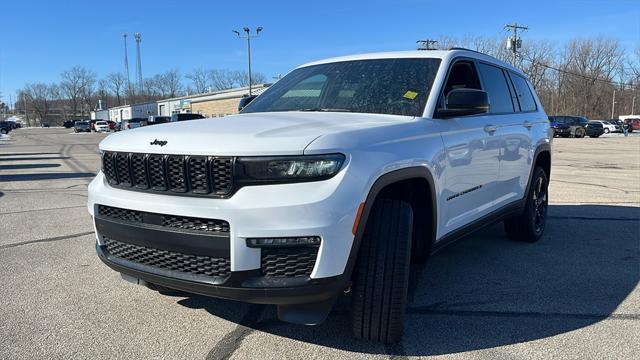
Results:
x,y
465,49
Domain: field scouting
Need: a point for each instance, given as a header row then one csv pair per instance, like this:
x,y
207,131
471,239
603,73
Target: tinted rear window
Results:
x,y
497,88
527,103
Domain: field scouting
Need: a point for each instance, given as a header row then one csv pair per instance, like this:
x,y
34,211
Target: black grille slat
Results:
x,y
168,260
222,173
157,178
173,221
122,169
288,262
198,174
178,174
109,167
139,171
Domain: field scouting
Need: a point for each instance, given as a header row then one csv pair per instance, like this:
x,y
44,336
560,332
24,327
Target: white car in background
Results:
x,y
101,126
608,127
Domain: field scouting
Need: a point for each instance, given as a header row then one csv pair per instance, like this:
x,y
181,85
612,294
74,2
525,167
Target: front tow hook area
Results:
x,y
306,314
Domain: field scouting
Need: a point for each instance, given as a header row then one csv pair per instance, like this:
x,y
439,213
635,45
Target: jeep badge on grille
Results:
x,y
158,142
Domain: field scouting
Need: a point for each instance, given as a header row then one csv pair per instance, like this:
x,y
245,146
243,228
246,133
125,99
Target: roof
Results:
x,y
228,93
412,54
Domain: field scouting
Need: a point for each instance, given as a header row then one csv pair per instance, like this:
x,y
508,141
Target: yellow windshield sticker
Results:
x,y
410,94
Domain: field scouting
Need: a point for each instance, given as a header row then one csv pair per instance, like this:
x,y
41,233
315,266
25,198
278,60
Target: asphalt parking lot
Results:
x,y
574,294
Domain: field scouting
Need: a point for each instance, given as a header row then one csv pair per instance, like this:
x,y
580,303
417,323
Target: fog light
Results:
x,y
283,242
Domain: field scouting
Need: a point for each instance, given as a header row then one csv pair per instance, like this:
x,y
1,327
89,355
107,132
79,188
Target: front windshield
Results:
x,y
380,86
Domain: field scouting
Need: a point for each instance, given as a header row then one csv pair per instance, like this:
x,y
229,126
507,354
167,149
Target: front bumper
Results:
x,y
324,209
562,132
246,286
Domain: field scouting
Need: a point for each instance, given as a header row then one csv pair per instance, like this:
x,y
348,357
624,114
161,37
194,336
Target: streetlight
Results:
x,y
248,37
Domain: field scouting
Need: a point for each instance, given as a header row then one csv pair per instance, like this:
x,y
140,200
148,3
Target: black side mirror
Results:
x,y
461,102
245,100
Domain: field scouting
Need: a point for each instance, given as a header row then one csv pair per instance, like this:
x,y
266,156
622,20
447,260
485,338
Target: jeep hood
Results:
x,y
276,133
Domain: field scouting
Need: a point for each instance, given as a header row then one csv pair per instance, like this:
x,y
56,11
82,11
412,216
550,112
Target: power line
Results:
x,y
621,84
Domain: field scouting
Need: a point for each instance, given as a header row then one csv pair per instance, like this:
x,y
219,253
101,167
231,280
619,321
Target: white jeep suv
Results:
x,y
334,179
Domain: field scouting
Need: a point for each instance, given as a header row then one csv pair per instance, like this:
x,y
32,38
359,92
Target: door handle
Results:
x,y
528,124
490,129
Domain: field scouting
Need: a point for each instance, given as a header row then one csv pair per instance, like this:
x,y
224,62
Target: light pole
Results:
x,y
248,37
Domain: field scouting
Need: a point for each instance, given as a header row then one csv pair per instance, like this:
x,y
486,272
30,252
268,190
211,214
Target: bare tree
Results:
x,y
40,97
76,83
241,78
171,82
117,82
222,79
199,79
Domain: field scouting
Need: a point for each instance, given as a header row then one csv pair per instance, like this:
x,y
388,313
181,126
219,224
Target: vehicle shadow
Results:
x,y
486,291
45,176
27,166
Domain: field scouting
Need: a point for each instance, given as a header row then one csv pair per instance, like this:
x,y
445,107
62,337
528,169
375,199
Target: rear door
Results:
x,y
471,157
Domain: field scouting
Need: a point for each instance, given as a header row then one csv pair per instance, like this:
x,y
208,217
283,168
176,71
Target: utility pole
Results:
x,y
248,37
427,44
514,42
613,103
633,105
126,63
138,37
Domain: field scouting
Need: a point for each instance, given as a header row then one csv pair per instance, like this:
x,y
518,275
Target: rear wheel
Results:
x,y
606,130
529,226
579,133
4,131
381,275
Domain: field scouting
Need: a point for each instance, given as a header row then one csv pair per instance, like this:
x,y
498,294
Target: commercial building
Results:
x,y
212,104
127,112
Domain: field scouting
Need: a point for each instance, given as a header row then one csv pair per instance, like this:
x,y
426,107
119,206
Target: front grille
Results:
x,y
178,174
288,262
172,221
168,260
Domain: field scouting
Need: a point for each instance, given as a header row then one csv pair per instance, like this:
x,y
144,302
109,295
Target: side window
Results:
x,y
527,103
462,75
497,89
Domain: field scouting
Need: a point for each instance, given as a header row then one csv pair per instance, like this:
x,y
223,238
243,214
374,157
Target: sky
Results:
x,y
41,39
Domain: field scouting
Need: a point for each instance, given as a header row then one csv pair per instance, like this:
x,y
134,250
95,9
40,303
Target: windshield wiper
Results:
x,y
317,109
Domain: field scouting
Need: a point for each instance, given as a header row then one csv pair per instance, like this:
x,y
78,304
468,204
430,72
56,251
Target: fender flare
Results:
x,y
544,147
381,182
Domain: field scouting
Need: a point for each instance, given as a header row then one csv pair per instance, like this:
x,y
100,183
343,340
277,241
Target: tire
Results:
x,y
381,275
606,130
579,133
3,131
529,226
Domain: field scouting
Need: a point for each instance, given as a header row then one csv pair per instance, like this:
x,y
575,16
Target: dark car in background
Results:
x,y
594,129
186,116
576,124
155,120
81,126
5,127
69,123
559,129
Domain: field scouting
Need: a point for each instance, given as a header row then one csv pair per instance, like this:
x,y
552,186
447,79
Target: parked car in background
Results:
x,y
607,126
5,127
155,120
594,129
576,124
559,129
44,124
633,124
132,123
112,125
101,126
81,126
68,124
186,116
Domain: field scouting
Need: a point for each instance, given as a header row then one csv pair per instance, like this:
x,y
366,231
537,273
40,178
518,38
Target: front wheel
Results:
x,y
579,133
3,131
529,226
606,130
381,276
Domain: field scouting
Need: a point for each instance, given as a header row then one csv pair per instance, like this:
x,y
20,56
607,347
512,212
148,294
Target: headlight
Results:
x,y
281,169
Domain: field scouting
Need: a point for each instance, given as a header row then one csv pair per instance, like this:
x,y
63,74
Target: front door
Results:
x,y
471,158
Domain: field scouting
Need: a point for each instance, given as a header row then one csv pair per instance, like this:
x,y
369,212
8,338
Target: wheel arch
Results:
x,y
400,183
542,158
